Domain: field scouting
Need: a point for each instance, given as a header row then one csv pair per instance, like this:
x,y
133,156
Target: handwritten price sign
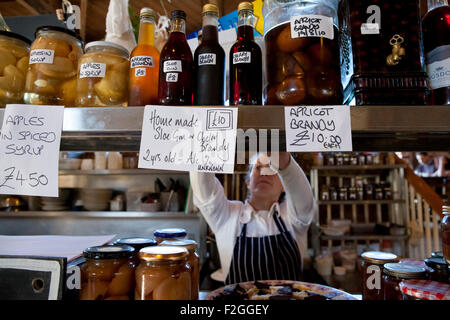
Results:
x,y
29,150
188,139
322,128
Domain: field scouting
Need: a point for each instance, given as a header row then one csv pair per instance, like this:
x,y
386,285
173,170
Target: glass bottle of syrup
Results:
x,y
245,62
144,63
436,40
209,62
176,69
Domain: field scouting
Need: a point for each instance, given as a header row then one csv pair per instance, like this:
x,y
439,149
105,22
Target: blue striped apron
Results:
x,y
275,257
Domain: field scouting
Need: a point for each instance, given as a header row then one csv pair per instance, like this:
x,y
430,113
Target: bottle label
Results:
x,y
172,66
142,61
171,77
140,72
92,70
438,67
207,59
242,57
312,25
42,56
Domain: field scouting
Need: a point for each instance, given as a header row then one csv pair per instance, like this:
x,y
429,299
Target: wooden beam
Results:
x,y
28,7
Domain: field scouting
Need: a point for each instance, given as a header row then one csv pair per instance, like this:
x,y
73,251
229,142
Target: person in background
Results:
x,y
260,239
432,165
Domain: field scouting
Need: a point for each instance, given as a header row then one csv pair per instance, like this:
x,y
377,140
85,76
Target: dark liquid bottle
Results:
x,y
209,62
176,68
436,40
245,62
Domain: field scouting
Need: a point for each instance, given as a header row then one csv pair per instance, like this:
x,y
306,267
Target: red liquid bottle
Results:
x,y
209,62
436,41
176,66
245,62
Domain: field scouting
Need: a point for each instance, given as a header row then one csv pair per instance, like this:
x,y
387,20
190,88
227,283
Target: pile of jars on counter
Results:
x,y
164,268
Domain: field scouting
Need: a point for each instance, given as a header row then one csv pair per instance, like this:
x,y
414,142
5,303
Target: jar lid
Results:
x,y
405,271
170,233
59,29
425,289
15,36
136,242
108,252
379,257
178,14
437,263
106,44
188,244
437,254
163,253
210,7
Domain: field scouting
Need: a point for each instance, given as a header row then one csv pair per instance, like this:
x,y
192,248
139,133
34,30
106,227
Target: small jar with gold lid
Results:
x,y
163,274
193,260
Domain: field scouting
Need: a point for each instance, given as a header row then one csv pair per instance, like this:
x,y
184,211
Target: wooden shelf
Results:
x,y
320,202
373,237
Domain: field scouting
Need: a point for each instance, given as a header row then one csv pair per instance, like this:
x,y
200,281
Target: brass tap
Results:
x,y
397,50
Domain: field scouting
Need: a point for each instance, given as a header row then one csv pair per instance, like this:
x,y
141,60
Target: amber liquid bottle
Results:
x,y
209,62
176,66
144,63
436,41
245,62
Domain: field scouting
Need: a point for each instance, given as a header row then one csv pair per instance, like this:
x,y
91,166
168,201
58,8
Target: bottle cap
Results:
x,y
210,8
178,14
245,6
148,13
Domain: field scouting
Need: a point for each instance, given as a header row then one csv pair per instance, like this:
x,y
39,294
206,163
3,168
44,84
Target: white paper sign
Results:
x,y
321,128
92,70
42,56
188,139
29,150
312,25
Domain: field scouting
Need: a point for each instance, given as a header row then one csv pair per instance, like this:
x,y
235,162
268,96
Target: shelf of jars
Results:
x,y
365,202
374,128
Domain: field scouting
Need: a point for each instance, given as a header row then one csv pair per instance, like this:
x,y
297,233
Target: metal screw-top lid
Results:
x,y
107,44
178,14
404,271
170,233
108,252
163,253
147,12
245,6
437,263
210,7
379,257
188,244
136,242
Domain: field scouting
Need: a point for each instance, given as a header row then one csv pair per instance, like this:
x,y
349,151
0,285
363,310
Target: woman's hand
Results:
x,y
279,160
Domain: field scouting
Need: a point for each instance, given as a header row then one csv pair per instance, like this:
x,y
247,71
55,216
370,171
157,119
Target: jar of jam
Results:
x,y
346,159
193,260
378,192
369,159
360,193
343,196
334,194
354,160
438,269
352,194
170,234
424,290
372,263
325,194
339,159
445,233
108,273
302,52
361,159
14,57
163,274
387,192
330,160
394,273
52,74
103,73
137,243
368,191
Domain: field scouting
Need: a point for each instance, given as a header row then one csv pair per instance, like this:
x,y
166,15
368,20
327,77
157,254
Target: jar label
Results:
x,y
142,61
242,57
172,66
42,56
207,59
172,77
140,72
92,70
439,67
312,25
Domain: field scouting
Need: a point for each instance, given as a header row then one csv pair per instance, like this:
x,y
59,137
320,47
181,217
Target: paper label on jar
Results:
x,y
42,56
312,25
207,59
242,57
438,67
92,70
171,77
140,72
172,66
142,61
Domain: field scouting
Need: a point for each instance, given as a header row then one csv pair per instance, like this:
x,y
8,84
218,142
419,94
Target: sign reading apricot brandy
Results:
x,y
29,150
188,139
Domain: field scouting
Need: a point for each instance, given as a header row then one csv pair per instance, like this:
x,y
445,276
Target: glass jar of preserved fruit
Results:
x,y
137,243
325,194
108,273
170,234
302,52
14,57
193,260
372,263
424,290
103,73
163,274
445,233
52,74
394,273
438,269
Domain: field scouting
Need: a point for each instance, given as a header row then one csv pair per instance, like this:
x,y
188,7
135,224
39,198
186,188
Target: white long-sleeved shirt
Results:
x,y
225,217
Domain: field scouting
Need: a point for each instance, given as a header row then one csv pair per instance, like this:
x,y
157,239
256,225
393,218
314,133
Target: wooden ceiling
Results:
x,y
96,11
